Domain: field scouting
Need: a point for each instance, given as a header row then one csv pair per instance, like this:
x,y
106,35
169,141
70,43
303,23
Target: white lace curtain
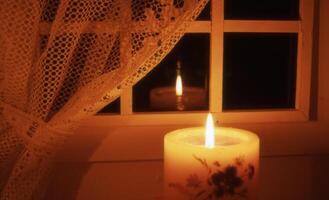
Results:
x,y
63,60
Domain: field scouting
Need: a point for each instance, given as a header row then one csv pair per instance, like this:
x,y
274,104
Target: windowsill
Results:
x,y
197,118
106,142
281,177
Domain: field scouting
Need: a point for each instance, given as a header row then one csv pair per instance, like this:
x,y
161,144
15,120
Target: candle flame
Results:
x,y
179,86
210,132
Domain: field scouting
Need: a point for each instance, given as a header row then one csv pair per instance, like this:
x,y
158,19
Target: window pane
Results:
x,y
266,9
259,70
156,91
205,14
113,107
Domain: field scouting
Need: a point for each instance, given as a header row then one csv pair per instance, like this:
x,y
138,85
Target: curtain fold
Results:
x,y
61,61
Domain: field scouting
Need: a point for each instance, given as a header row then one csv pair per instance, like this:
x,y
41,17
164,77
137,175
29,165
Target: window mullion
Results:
x,y
304,57
216,57
126,101
261,26
126,95
200,27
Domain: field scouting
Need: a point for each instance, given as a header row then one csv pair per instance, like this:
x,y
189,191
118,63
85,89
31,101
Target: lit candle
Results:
x,y
219,164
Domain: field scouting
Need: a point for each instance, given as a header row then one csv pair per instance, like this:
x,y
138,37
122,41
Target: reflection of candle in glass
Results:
x,y
179,93
178,97
179,86
219,164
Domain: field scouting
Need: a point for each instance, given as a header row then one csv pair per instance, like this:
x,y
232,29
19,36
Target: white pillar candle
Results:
x,y
227,170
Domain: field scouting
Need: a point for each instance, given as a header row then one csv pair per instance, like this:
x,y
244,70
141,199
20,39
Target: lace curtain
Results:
x,y
63,60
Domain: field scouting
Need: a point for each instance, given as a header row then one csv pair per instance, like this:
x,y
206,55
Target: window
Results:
x,y
257,69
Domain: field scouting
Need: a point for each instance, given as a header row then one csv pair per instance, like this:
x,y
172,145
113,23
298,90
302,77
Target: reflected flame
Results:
x,y
210,132
179,86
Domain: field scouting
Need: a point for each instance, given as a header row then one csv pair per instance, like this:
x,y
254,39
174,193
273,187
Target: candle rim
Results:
x,y
251,137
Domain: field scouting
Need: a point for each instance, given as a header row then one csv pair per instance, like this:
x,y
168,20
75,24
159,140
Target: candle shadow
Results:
x,y
99,163
66,181
72,165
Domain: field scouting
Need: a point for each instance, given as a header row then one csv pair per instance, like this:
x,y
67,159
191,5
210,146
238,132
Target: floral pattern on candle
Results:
x,y
221,181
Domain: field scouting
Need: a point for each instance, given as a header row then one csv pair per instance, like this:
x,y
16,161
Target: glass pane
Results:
x,y
266,10
113,107
157,90
259,70
205,14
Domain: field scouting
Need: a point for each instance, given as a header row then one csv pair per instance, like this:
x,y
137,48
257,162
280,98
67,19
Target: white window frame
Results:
x,y
216,27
